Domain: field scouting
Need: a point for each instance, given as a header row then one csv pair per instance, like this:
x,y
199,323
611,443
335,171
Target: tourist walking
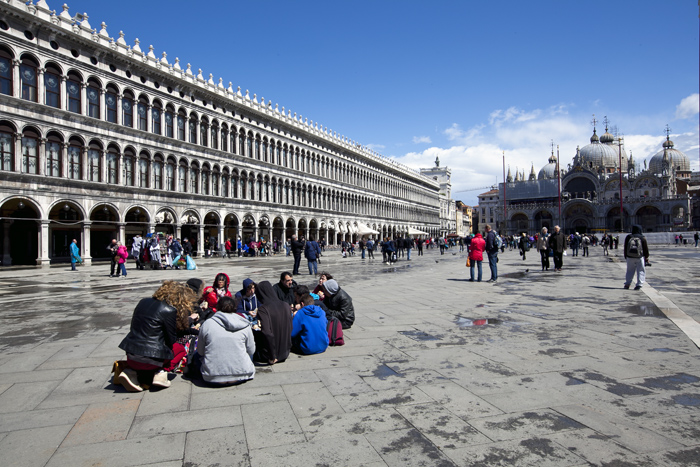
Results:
x,y
74,255
557,242
637,256
543,248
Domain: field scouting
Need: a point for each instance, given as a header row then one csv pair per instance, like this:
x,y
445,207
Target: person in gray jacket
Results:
x,y
226,346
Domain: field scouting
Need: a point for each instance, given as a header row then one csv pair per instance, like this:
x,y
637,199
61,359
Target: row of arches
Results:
x,y
83,92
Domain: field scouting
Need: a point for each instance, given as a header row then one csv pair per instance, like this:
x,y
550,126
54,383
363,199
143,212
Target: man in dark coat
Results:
x,y
492,252
297,248
339,304
284,289
557,242
637,255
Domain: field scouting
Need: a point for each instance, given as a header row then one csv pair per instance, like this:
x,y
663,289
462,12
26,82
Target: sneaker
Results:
x,y
638,287
626,286
161,380
129,380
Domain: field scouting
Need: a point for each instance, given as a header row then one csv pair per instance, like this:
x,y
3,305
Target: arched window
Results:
x,y
215,182
203,131
52,86
257,147
224,184
244,181
181,120
143,170
251,187
259,187
27,76
54,150
285,154
233,140
111,102
128,162
193,129
194,178
279,156
264,150
158,172
241,143
128,110
224,137
75,164
234,185
215,135
156,112
112,157
30,152
93,98
249,145
73,85
182,177
94,162
169,123
5,72
142,114
170,175
205,180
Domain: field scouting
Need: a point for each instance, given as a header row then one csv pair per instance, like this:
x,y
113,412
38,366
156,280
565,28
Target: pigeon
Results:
x,y
527,270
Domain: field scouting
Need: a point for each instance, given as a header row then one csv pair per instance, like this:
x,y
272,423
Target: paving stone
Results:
x,y
205,397
40,418
175,399
32,447
271,424
102,423
405,379
348,451
179,422
77,363
528,452
442,427
677,458
25,396
279,378
217,447
73,351
29,361
355,423
342,381
524,425
682,429
459,401
36,375
109,394
408,448
597,449
85,380
379,399
126,453
311,400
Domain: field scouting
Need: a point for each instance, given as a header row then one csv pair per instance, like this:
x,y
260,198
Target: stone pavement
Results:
x,y
571,370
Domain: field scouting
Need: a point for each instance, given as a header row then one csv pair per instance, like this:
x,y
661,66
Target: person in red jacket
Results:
x,y
213,293
476,255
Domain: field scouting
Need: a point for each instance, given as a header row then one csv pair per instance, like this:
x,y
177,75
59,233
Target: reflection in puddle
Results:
x,y
467,323
643,310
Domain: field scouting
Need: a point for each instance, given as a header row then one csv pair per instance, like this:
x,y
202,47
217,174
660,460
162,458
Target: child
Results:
x,y
248,303
218,290
309,328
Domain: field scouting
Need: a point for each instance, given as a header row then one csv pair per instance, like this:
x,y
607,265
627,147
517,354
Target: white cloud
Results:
x,y
376,147
421,139
689,107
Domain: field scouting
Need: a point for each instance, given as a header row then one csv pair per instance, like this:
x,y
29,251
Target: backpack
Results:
x,y
499,242
335,332
634,247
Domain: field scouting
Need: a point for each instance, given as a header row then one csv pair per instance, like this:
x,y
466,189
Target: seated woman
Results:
x,y
217,291
226,346
309,328
323,277
153,332
273,342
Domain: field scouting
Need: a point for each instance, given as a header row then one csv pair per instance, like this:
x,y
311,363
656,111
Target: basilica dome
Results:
x,y
598,155
678,160
549,170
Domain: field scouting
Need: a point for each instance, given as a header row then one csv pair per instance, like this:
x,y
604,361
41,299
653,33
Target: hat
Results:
x,y
195,284
331,286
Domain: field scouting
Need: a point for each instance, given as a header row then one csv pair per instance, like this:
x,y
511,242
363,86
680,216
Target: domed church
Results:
x,y
588,191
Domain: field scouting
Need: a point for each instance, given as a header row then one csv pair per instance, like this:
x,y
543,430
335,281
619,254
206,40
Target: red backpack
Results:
x,y
335,332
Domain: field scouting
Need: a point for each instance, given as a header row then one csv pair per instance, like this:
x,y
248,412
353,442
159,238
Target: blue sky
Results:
x,y
462,80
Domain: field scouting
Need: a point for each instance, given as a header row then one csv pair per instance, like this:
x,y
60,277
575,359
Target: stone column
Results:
x,y
16,86
44,260
6,258
222,239
85,242
200,241
119,109
17,164
83,163
103,106
63,94
41,156
40,91
256,233
63,160
83,100
178,231
122,232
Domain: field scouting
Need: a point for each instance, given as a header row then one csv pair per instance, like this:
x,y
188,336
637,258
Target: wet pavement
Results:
x,y
538,369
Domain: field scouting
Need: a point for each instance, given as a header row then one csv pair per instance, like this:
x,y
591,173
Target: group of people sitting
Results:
x,y
210,333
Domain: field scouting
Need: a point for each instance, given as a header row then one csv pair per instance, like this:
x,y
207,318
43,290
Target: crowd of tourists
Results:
x,y
219,336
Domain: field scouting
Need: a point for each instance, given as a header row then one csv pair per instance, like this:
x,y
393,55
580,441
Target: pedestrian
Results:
x,y
419,244
175,252
575,242
297,248
287,246
557,242
441,243
543,248
239,246
637,256
228,247
492,252
218,290
112,248
523,245
311,252
74,255
363,247
408,241
122,255
696,237
476,256
136,245
370,248
586,242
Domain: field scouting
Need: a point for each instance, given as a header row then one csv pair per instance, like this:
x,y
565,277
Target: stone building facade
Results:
x,y
102,140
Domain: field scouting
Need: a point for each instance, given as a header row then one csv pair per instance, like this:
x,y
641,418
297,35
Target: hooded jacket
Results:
x,y
340,306
212,297
246,304
274,341
310,330
637,232
476,248
226,345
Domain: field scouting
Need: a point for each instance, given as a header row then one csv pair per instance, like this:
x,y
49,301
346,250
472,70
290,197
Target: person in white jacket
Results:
x,y
226,346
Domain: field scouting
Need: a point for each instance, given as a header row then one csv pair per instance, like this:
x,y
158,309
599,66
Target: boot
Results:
x,y
161,380
129,380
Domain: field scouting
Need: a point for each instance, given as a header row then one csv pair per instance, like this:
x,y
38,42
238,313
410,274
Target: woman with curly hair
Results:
x,y
154,327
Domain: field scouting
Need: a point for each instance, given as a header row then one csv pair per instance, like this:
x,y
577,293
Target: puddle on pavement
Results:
x,y
665,350
397,269
383,372
692,400
643,310
419,335
464,323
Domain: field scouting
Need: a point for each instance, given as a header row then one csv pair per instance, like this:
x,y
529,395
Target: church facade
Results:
x,y
602,189
101,140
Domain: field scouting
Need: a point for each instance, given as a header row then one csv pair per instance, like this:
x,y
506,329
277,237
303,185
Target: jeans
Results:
x,y
122,269
363,253
574,251
471,269
408,254
635,265
313,267
493,265
297,261
72,266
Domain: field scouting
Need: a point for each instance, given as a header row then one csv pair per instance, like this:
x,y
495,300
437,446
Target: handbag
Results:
x,y
468,262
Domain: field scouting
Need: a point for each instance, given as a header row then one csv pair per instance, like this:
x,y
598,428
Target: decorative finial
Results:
x,y
593,122
606,121
668,132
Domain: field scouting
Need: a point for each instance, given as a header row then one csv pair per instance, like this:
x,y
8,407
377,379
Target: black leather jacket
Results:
x,y
340,306
153,330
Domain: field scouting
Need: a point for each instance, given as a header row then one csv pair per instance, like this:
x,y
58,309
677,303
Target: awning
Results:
x,y
364,230
412,231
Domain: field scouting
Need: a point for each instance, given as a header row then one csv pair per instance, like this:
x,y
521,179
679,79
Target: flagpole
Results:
x,y
505,213
559,186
